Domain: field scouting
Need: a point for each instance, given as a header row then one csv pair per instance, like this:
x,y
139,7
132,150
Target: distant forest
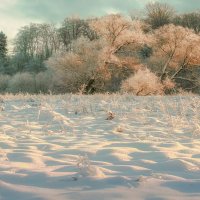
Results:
x,y
154,53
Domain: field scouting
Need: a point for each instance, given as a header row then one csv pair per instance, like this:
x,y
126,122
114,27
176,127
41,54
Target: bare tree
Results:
x,y
37,40
34,44
188,20
72,28
159,14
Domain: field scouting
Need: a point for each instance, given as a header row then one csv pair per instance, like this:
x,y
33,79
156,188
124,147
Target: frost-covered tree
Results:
x,y
74,70
122,37
177,50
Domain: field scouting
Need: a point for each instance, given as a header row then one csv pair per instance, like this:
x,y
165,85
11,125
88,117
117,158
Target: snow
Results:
x,y
99,147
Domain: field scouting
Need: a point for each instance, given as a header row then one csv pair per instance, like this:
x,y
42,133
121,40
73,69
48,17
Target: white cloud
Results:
x,y
112,11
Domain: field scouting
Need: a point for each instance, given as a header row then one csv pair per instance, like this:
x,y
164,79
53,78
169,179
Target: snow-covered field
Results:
x,y
100,147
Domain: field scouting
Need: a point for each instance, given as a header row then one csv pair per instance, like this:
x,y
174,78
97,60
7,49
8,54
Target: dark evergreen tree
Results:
x,y
3,46
3,53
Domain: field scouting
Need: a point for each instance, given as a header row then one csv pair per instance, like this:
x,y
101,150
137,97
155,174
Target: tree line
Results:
x,y
153,53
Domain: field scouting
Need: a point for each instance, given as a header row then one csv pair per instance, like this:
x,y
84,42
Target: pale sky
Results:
x,y
17,13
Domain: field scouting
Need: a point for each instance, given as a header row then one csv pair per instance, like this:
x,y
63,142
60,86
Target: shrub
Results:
x,y
68,71
143,82
44,82
22,82
4,80
72,70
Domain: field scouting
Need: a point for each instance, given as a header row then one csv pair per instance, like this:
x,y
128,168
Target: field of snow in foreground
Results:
x,y
101,147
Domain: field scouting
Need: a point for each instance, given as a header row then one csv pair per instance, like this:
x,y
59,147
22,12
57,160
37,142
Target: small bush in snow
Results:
x,y
4,80
143,82
44,82
22,82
